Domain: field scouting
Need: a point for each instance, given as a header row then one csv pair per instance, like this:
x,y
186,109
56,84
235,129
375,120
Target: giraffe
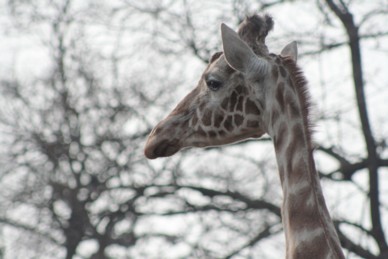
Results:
x,y
245,92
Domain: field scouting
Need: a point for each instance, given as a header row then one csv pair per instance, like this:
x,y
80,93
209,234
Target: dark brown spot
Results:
x,y
240,89
274,116
277,60
304,217
275,72
219,117
253,124
298,167
281,172
290,150
207,117
302,191
290,83
280,95
228,123
222,132
238,119
201,132
251,108
301,215
280,136
212,134
292,107
184,124
233,100
194,120
240,104
201,106
294,145
283,71
310,248
297,131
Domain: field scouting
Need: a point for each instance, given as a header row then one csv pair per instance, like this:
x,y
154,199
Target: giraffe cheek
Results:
x,y
253,124
251,108
218,118
255,127
238,120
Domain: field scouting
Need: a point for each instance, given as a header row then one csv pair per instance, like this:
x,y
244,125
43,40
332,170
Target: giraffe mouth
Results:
x,y
164,148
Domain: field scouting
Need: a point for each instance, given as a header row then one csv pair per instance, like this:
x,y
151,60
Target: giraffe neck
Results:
x,y
308,227
309,230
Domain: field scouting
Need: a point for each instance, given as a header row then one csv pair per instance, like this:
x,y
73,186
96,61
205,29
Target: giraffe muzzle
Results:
x,y
163,148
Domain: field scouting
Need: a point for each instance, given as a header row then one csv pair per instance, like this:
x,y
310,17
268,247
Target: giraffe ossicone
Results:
x,y
245,92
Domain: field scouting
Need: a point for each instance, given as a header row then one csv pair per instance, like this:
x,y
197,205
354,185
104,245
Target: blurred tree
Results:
x,y
73,179
73,143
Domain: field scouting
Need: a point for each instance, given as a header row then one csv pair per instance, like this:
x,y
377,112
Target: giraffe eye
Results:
x,y
213,85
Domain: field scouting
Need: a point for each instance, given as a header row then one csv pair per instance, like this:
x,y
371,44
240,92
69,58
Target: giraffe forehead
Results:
x,y
219,68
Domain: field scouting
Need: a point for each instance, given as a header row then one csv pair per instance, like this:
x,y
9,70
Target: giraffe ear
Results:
x,y
290,50
237,53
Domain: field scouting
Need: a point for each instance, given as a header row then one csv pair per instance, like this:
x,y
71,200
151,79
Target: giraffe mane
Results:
x,y
300,83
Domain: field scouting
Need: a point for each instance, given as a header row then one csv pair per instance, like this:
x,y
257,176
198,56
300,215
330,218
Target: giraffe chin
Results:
x,y
164,148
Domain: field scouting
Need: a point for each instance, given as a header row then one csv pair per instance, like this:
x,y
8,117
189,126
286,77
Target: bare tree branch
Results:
x,y
352,30
268,231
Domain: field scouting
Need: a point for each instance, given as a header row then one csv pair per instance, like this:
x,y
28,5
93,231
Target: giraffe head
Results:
x,y
229,101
